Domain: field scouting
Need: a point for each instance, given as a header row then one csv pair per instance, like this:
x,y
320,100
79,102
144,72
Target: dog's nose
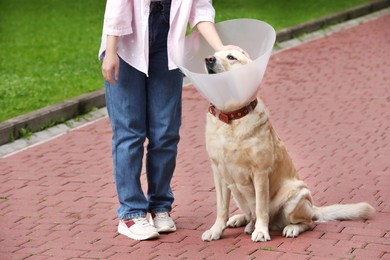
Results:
x,y
210,60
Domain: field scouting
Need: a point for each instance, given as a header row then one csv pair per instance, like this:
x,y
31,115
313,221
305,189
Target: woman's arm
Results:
x,y
208,31
117,21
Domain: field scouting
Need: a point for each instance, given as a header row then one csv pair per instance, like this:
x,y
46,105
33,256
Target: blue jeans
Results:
x,y
141,107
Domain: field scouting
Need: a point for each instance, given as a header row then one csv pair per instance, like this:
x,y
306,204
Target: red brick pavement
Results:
x,y
329,100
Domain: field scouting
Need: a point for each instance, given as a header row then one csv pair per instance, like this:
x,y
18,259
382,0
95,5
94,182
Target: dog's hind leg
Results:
x,y
293,230
300,218
240,195
238,220
223,201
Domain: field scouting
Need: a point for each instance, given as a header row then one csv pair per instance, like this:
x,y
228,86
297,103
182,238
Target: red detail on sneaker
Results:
x,y
129,223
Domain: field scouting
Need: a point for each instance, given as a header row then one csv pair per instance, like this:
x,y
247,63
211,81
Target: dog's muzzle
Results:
x,y
233,115
210,64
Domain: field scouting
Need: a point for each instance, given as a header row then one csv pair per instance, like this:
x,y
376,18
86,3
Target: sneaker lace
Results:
x,y
142,221
162,215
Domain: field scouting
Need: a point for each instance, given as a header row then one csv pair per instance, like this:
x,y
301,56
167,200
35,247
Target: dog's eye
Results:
x,y
231,57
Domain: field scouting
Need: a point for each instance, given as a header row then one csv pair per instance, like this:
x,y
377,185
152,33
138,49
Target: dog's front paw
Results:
x,y
291,231
237,221
212,234
260,235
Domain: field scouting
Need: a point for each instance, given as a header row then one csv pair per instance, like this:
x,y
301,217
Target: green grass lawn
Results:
x,y
281,13
48,48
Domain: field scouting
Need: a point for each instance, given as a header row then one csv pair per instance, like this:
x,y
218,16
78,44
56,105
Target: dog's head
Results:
x,y
225,60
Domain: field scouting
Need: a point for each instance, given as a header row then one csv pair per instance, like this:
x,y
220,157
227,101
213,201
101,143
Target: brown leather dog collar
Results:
x,y
233,115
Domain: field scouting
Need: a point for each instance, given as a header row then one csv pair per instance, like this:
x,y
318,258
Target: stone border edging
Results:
x,y
36,120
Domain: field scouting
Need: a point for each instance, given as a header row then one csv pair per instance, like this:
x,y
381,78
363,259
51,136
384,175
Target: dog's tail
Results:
x,y
358,211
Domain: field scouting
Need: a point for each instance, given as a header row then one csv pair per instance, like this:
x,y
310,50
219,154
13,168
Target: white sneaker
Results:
x,y
163,222
137,229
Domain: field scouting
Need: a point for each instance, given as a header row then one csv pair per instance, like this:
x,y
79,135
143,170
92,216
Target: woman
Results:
x,y
143,97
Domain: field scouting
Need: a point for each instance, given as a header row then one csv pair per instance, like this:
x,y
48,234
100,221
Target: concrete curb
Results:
x,y
37,120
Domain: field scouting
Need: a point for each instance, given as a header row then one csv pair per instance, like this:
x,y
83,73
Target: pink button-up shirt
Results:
x,y
128,19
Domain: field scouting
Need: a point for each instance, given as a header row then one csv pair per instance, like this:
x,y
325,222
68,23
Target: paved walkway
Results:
x,y
329,101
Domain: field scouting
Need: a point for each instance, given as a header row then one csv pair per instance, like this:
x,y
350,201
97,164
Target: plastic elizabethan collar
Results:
x,y
236,88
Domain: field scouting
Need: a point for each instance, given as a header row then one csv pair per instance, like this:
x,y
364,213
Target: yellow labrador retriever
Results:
x,y
250,162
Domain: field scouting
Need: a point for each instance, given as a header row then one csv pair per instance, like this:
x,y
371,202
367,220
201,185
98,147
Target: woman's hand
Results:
x,y
208,31
233,47
110,64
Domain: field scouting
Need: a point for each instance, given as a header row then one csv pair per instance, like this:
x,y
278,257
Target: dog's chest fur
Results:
x,y
242,146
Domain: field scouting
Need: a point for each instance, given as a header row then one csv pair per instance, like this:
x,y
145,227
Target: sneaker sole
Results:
x,y
166,229
125,232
